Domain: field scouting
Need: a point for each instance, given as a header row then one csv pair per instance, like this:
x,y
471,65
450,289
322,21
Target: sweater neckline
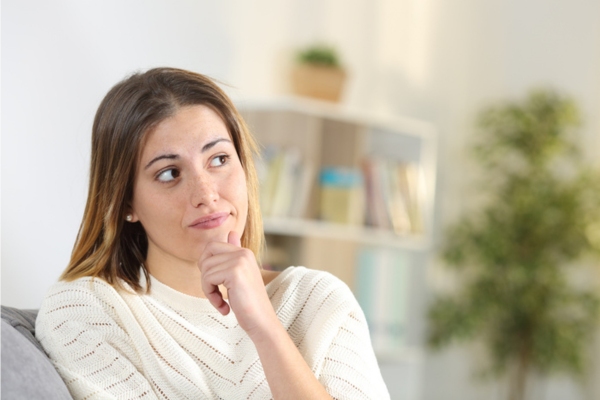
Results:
x,y
185,302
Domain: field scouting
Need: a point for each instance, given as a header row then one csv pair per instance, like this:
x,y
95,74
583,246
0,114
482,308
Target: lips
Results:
x,y
210,221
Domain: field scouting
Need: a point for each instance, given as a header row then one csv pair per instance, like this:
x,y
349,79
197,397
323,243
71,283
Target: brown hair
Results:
x,y
107,246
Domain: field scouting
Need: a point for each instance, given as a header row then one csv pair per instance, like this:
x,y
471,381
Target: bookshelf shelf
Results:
x,y
327,230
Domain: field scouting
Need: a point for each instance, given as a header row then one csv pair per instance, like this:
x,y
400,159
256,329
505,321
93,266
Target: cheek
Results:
x,y
241,194
147,206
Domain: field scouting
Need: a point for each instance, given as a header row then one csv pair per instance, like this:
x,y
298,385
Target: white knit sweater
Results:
x,y
115,344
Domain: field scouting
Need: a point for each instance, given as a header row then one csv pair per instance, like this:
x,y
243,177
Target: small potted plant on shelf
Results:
x,y
318,73
515,255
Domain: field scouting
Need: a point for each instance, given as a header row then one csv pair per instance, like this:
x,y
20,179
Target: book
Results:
x,y
399,200
342,195
376,194
268,168
287,169
382,285
394,195
285,182
305,177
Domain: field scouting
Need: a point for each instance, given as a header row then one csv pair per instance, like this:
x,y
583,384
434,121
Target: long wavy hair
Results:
x,y
107,247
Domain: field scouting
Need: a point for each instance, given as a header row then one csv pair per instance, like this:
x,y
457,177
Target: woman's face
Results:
x,y
190,187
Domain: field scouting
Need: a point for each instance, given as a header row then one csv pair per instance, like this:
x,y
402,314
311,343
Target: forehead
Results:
x,y
188,129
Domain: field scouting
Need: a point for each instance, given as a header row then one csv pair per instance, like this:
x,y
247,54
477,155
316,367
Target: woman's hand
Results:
x,y
235,268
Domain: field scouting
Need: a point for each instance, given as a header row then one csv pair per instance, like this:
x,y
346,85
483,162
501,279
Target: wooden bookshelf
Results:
x,y
327,134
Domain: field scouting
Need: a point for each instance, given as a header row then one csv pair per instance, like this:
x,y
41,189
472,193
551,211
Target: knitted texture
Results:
x,y
168,345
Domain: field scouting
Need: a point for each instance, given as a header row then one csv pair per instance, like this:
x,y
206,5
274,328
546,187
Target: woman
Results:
x,y
163,296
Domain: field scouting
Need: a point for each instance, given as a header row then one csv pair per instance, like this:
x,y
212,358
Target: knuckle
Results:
x,y
247,253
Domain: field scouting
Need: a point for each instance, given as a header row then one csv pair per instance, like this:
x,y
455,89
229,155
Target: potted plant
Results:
x,y
515,254
318,73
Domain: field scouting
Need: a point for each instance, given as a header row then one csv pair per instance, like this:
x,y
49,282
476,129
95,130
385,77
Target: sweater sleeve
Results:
x,y
350,369
84,337
330,330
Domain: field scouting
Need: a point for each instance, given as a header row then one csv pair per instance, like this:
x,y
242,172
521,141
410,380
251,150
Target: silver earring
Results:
x,y
129,217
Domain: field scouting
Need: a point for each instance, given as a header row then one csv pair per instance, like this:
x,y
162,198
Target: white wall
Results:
x,y
439,60
59,58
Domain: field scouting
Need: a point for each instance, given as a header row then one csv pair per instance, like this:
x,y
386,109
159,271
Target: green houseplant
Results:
x,y
514,254
318,73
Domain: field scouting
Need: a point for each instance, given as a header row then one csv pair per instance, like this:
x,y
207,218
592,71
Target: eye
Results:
x,y
168,175
219,160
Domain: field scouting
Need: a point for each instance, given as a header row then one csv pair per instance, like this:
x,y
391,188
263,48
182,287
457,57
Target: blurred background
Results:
x,y
420,68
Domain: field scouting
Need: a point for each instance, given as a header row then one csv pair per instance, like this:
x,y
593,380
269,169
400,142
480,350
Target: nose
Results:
x,y
203,190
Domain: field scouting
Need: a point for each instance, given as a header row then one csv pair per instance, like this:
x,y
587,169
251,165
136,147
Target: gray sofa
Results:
x,y
27,373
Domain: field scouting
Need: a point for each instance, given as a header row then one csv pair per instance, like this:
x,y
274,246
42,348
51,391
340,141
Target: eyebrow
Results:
x,y
205,148
212,144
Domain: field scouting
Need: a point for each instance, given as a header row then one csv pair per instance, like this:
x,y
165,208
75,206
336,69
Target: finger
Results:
x,y
221,262
216,299
234,239
213,294
215,249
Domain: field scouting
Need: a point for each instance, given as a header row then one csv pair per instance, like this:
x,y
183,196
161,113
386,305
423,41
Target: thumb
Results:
x,y
234,239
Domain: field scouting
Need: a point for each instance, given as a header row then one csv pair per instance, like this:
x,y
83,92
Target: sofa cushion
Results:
x,y
27,373
23,321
